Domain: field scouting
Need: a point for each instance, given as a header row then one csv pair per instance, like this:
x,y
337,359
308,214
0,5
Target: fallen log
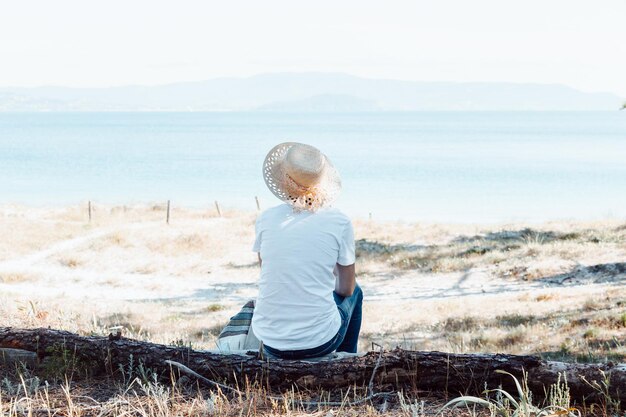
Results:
x,y
431,371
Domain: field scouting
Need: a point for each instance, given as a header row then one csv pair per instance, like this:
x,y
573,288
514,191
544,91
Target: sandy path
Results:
x,y
416,286
404,288
64,245
225,284
62,281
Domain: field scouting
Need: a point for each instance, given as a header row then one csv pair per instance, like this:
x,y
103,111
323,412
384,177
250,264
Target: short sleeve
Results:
x,y
346,246
257,240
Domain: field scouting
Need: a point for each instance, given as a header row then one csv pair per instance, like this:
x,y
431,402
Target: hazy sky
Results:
x,y
580,43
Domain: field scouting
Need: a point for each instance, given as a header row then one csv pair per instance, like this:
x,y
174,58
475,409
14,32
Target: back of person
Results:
x,y
309,303
295,309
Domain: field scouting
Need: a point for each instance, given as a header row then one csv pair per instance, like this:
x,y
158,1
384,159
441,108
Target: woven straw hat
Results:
x,y
301,175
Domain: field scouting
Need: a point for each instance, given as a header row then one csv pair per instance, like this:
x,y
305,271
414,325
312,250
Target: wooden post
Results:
x,y
258,206
217,206
89,210
167,219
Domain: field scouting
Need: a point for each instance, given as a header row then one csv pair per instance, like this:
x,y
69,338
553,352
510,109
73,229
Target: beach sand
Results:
x,y
554,289
464,288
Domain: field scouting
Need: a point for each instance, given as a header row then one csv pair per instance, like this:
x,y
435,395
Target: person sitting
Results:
x,y
309,303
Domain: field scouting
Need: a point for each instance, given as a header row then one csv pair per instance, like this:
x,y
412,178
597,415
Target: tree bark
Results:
x,y
431,371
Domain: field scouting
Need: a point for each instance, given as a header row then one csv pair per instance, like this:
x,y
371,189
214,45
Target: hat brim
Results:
x,y
323,194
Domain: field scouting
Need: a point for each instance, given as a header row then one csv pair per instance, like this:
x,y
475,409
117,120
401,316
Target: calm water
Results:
x,y
439,166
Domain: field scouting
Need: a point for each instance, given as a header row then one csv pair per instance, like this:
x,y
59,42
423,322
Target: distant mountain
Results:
x,y
323,102
308,92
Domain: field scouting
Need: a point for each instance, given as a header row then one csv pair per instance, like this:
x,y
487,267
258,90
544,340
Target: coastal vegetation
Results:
x,y
554,290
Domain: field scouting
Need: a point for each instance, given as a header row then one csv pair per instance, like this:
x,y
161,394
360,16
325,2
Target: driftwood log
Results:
x,y
429,371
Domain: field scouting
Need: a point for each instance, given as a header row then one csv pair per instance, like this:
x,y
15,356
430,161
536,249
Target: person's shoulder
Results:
x,y
336,214
271,212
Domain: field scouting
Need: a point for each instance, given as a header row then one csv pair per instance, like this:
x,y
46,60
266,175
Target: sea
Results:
x,y
453,167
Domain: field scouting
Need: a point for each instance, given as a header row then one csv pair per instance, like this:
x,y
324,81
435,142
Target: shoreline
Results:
x,y
444,168
209,210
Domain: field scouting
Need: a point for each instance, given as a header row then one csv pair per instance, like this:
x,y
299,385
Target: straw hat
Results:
x,y
301,175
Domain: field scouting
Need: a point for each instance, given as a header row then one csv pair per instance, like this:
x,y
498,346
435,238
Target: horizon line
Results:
x,y
534,83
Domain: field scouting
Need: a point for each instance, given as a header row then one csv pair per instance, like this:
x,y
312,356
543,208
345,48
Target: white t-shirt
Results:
x,y
295,308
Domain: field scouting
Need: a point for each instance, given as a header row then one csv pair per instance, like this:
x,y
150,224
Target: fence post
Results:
x,y
89,210
167,218
217,206
258,206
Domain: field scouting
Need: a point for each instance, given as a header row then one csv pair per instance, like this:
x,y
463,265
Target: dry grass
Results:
x,y
427,287
516,252
15,277
145,395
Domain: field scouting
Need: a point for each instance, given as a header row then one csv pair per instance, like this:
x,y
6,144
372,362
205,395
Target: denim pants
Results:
x,y
350,310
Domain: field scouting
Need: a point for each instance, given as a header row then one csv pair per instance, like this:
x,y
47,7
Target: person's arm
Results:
x,y
257,241
345,281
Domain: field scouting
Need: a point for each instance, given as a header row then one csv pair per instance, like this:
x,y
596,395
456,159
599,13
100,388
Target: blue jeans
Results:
x,y
346,339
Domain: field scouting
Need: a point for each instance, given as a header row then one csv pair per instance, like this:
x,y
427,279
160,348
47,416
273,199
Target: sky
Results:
x,y
579,43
